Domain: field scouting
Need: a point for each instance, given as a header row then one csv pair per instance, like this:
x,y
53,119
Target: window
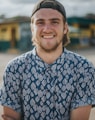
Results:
x,y
3,30
84,26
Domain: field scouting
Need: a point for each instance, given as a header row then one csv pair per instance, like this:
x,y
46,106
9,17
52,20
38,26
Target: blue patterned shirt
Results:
x,y
41,91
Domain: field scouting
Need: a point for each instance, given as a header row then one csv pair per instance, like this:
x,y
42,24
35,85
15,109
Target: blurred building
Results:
x,y
15,33
82,30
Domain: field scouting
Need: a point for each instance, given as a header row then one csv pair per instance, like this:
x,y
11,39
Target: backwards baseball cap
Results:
x,y
53,4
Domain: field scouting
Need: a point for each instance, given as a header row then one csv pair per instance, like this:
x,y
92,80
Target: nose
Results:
x,y
47,28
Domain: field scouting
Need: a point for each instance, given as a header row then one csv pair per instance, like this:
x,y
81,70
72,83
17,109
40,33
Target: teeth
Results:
x,y
48,36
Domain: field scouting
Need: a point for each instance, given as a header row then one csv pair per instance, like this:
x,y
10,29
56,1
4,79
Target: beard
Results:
x,y
49,48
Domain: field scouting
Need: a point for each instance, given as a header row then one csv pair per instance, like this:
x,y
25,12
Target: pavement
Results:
x,y
89,53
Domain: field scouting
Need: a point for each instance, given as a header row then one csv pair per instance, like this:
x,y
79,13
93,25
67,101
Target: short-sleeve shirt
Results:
x,y
41,91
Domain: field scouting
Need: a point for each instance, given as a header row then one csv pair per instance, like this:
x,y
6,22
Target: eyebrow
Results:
x,y
51,19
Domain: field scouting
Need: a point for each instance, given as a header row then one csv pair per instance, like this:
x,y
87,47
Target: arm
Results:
x,y
10,114
81,113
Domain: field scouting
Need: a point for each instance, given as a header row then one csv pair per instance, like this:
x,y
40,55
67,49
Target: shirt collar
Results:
x,y
55,66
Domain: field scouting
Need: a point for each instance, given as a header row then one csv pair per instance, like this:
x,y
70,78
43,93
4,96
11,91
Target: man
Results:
x,y
49,82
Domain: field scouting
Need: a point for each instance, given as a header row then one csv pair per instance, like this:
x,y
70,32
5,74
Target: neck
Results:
x,y
49,57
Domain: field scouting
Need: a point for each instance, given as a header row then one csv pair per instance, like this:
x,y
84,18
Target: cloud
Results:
x,y
22,1
24,7
83,0
10,9
79,7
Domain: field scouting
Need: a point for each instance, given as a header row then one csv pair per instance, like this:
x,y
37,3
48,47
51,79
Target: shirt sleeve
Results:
x,y
11,92
85,88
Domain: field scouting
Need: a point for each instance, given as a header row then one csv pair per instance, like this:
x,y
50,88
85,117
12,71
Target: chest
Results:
x,y
48,88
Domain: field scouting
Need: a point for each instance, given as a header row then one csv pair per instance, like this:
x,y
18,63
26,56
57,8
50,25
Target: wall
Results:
x,y
6,35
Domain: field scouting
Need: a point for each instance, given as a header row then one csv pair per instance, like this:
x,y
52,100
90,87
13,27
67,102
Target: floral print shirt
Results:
x,y
41,91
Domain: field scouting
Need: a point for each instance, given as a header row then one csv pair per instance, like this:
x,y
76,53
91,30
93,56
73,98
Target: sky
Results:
x,y
12,8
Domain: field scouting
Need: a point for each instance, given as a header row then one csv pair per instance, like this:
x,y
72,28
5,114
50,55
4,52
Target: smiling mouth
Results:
x,y
48,37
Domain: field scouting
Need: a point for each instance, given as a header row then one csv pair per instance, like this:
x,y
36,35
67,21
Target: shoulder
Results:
x,y
21,60
70,55
78,60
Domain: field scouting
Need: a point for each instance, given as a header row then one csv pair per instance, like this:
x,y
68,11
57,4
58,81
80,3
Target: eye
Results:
x,y
40,23
55,22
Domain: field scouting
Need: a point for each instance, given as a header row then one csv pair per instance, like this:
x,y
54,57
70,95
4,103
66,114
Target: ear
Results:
x,y
66,28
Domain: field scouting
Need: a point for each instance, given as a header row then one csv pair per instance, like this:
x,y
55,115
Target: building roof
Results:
x,y
81,20
17,19
71,20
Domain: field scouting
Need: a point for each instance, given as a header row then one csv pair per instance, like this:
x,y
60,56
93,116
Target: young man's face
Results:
x,y
48,29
